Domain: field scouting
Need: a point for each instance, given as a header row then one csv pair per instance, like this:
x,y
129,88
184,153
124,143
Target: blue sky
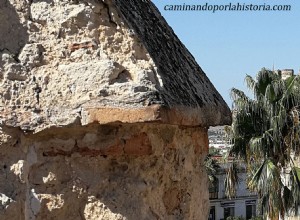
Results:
x,y
230,44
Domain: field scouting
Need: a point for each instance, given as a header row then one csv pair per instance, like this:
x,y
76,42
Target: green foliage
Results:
x,y
265,134
214,151
211,167
257,218
235,218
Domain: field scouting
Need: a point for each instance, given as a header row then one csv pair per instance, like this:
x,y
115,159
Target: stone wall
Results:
x,y
103,113
116,171
61,59
65,58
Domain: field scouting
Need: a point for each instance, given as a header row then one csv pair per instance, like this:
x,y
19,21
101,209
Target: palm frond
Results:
x,y
231,181
251,83
265,132
211,167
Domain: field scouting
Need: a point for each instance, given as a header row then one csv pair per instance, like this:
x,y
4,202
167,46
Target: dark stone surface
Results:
x,y
184,82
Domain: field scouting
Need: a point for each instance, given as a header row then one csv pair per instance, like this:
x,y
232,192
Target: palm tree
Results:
x,y
211,165
265,135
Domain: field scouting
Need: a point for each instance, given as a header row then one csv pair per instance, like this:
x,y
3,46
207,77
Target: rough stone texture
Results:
x,y
117,171
103,113
60,61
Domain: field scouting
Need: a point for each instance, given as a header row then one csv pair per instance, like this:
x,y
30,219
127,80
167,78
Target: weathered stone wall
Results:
x,y
60,58
117,171
101,109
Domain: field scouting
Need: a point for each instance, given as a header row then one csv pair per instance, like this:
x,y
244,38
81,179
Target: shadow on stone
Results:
x,y
13,34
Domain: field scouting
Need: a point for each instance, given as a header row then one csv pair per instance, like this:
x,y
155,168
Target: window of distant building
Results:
x,y
250,209
213,189
228,211
212,213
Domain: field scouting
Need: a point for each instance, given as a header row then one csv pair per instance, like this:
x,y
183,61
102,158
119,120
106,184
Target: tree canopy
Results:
x,y
265,135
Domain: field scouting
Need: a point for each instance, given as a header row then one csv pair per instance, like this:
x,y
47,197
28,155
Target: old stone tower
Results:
x,y
103,113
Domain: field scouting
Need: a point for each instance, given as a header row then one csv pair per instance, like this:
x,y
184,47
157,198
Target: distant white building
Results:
x,y
221,207
286,73
217,139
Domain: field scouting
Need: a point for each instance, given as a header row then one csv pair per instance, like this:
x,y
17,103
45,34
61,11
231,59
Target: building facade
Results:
x,y
244,204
